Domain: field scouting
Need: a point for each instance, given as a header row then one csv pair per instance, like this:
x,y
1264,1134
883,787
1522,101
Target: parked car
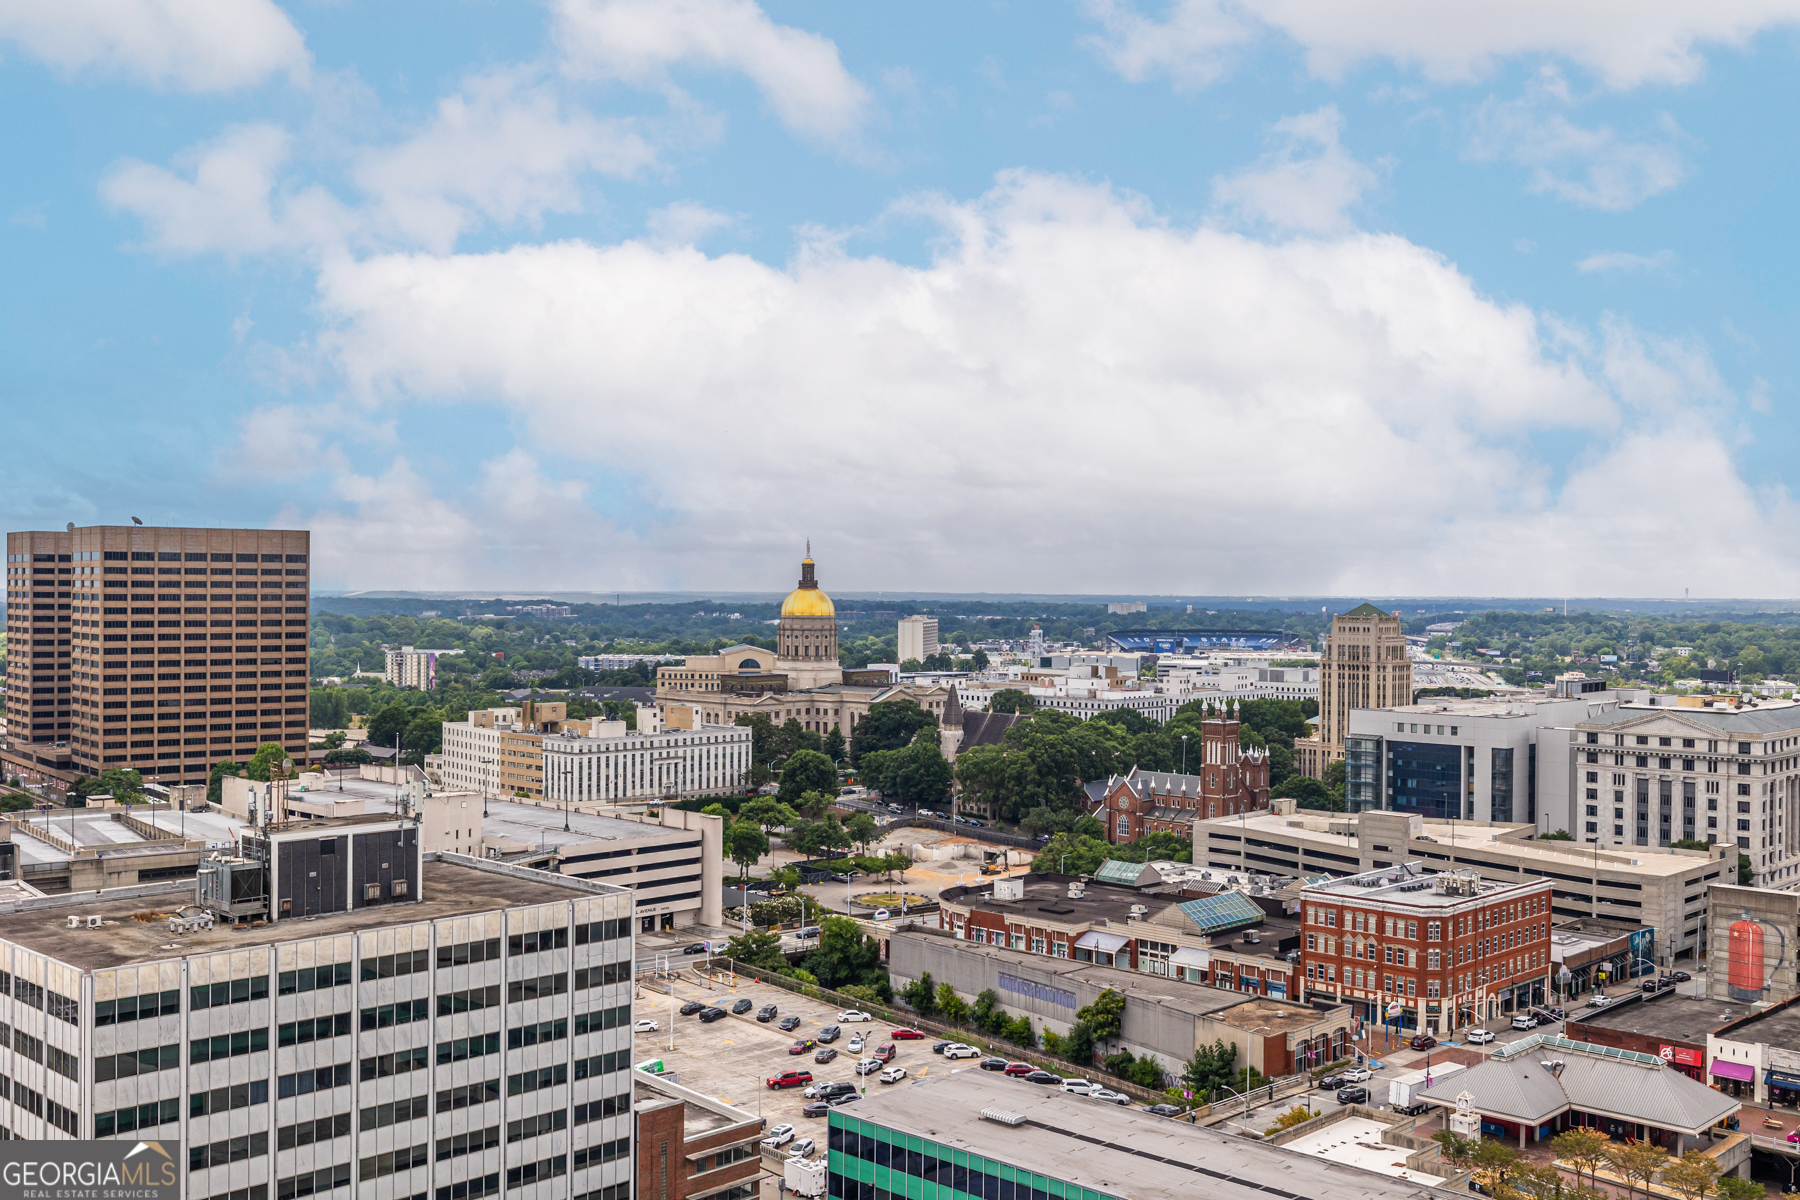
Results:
x,y
907,1035
709,1015
1680,976
892,1075
825,1054
766,1013
801,1046
843,1098
1556,1014
825,1091
1043,1077
1479,1037
1164,1110
807,932
817,1108
830,1033
788,1024
1109,1097
1019,1068
1356,1075
885,1052
691,1007
895,808
1524,1021
855,1044
789,1079
961,1051
1424,1041
645,1027
1332,1081
881,914
779,1136
801,1149
743,1006
1353,1095
697,948
1599,1000
850,1015
992,1064
940,1047
1077,1087
869,1066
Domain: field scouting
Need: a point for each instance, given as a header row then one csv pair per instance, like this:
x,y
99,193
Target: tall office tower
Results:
x,y
159,650
381,1022
918,638
1364,666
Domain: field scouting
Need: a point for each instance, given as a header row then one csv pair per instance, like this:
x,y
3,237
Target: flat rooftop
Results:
x,y
1047,895
1417,884
136,930
1115,1151
1357,1142
1671,1015
544,826
1778,1028
1274,1016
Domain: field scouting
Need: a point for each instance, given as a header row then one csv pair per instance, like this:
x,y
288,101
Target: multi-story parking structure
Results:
x,y
402,1025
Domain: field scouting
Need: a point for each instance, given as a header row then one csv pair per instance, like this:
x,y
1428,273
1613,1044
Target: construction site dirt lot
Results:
x,y
729,1059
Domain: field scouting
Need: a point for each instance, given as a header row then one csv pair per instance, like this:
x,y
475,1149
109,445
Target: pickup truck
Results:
x,y
789,1079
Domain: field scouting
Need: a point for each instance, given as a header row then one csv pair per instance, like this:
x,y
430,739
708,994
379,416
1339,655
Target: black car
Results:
x,y
709,1015
992,1064
1331,1081
940,1047
1164,1110
766,1013
825,1054
830,1033
696,948
1354,1094
817,1108
788,1024
743,1006
1680,976
1043,1077
840,1088
691,1007
845,1098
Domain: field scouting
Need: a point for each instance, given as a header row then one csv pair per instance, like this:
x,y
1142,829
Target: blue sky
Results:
x,y
1197,297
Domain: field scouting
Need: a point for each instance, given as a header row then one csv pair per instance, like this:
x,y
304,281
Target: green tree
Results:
x,y
985,1014
328,708
1012,700
1105,1015
1556,835
1584,1149
807,771
389,725
1306,792
1730,1187
1457,1150
1210,1069
889,725
762,746
1078,1045
980,660
951,1007
1018,1032
348,755
921,995
861,829
268,756
845,954
1334,784
1689,844
833,746
758,949
769,813
1746,871
1693,1175
1146,1073
219,771
745,844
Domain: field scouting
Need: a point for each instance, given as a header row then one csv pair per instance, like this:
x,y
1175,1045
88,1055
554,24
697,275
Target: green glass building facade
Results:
x,y
871,1162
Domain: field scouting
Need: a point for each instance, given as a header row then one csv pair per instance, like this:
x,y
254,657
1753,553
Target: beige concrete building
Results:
x,y
612,765
500,751
409,667
800,680
918,638
158,650
1364,666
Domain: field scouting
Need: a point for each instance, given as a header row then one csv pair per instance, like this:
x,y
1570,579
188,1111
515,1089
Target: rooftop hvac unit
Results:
x,y
1002,1116
399,887
371,891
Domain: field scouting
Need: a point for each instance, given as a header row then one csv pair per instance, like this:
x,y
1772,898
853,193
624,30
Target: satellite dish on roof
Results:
x,y
136,521
71,527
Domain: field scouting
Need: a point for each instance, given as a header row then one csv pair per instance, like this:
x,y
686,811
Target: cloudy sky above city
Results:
x,y
1089,296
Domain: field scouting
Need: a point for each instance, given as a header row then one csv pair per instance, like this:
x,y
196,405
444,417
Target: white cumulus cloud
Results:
x,y
1306,183
189,45
1071,388
798,72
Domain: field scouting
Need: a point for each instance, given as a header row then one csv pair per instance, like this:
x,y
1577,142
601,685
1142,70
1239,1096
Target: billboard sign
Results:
x,y
91,1170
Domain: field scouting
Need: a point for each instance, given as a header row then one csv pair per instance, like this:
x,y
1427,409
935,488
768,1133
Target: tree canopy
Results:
x,y
807,771
889,725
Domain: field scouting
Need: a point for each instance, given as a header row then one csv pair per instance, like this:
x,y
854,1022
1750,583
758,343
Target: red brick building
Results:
x,y
689,1146
1228,780
1448,949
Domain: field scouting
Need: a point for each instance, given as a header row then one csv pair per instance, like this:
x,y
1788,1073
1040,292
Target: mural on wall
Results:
x,y
1750,969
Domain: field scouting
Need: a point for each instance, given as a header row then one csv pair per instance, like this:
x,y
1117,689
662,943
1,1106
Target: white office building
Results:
x,y
391,1023
918,638
621,766
408,667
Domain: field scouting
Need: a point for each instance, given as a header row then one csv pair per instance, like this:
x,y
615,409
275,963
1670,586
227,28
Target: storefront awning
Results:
x,y
1188,956
1731,1070
1782,1079
1105,943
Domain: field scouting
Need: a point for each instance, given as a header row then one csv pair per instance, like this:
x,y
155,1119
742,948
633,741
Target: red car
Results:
x,y
884,1052
906,1035
801,1046
1018,1068
788,1079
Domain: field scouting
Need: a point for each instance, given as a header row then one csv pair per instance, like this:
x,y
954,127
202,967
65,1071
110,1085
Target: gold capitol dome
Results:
x,y
807,600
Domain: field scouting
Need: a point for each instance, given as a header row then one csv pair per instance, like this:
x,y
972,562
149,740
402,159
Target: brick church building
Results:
x,y
1230,780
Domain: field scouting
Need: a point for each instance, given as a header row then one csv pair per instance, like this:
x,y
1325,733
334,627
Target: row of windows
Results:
x,y
225,1099
533,1035
462,1049
469,1000
379,1116
393,1161
389,966
538,988
606,1106
136,1062
135,1117
305,1082
230,1150
472,1142
315,1029
400,1062
234,991
138,1008
388,1015
308,979
228,1045
468,1095
309,1133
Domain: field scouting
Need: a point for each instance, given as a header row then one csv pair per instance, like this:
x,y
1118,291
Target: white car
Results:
x,y
1109,1097
893,1075
1356,1075
801,1149
855,1045
1524,1021
1480,1037
1077,1087
853,1014
961,1051
882,914
645,1027
778,1137
868,1066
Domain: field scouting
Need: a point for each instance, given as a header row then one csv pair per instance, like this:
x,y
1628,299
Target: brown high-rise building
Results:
x,y
158,650
1364,666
